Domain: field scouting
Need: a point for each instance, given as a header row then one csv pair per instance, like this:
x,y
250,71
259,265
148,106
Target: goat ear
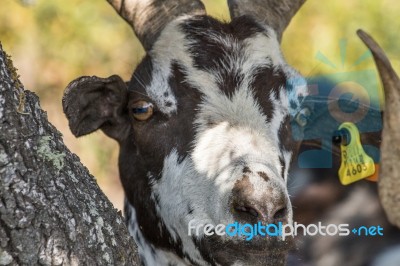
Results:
x,y
92,103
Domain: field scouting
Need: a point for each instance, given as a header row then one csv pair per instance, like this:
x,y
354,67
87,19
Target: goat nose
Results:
x,y
269,205
253,213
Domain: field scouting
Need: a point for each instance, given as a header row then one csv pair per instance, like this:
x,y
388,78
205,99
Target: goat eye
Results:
x,y
303,116
142,110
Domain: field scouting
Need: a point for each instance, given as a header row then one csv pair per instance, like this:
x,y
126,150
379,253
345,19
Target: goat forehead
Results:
x,y
215,59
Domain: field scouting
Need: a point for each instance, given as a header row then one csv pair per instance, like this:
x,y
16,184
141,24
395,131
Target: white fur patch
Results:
x,y
178,190
159,90
149,254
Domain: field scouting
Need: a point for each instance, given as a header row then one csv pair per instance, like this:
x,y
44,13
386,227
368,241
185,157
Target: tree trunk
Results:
x,y
52,212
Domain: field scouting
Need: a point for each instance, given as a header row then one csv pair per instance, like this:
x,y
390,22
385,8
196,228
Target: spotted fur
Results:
x,y
240,112
217,147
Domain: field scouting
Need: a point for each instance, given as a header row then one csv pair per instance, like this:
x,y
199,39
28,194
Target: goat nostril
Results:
x,y
246,210
280,213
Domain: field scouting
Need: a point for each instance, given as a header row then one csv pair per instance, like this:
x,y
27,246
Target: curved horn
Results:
x,y
149,17
274,13
389,176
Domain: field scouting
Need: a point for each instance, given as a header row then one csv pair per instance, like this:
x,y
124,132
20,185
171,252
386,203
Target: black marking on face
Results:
x,y
142,76
207,36
246,170
285,135
229,81
182,123
263,175
267,80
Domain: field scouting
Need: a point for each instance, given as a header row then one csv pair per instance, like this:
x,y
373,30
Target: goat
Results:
x,y
204,128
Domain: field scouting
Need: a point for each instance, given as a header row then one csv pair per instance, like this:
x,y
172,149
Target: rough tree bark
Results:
x,y
52,212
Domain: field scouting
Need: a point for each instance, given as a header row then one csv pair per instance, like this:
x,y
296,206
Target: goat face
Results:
x,y
205,136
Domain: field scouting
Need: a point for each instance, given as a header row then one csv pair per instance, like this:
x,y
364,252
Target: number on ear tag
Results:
x,y
356,164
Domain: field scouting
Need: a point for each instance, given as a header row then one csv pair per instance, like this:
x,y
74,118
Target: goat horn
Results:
x,y
149,17
274,13
389,176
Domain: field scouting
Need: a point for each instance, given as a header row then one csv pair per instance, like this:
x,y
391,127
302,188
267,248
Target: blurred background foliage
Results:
x,y
53,42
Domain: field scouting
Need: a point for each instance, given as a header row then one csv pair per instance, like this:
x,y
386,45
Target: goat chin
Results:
x,y
266,251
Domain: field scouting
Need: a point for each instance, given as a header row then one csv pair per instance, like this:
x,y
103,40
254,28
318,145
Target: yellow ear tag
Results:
x,y
356,164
